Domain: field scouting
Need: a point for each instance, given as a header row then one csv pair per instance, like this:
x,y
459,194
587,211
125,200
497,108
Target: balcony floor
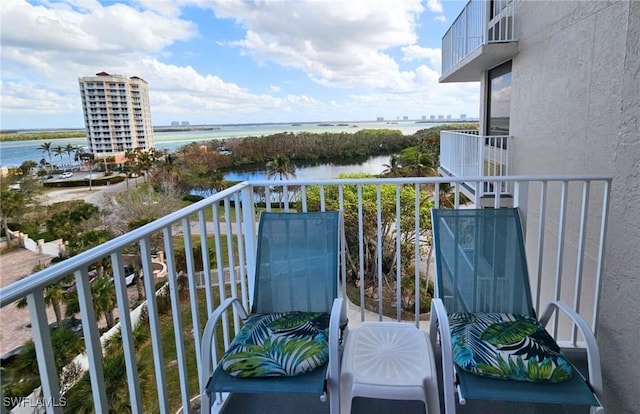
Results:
x,y
294,404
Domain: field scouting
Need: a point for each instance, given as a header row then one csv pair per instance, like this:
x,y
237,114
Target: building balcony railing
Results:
x,y
481,37
216,237
468,154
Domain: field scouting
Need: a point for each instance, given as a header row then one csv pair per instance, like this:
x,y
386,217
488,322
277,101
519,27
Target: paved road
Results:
x,y
93,196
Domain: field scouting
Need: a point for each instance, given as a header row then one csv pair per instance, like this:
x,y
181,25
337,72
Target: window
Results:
x,y
499,100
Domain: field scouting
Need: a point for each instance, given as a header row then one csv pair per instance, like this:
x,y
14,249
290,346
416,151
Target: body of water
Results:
x,y
372,165
14,153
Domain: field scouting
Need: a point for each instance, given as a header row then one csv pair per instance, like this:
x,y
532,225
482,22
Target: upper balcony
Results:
x,y
481,37
209,247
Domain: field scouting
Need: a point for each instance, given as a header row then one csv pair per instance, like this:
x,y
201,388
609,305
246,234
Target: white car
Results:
x,y
66,174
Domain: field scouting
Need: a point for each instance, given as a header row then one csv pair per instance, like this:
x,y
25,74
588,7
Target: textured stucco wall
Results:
x,y
575,109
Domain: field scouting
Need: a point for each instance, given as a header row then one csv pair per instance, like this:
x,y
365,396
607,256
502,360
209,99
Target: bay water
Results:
x,y
14,153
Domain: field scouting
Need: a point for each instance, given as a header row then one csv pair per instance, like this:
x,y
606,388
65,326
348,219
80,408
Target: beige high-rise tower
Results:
x,y
117,114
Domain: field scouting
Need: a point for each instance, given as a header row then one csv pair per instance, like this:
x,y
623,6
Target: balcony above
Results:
x,y
480,38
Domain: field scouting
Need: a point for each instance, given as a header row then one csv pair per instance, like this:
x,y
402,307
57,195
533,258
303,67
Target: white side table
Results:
x,y
389,360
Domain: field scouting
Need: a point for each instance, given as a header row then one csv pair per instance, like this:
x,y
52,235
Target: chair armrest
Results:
x,y
440,324
593,354
337,321
337,328
209,343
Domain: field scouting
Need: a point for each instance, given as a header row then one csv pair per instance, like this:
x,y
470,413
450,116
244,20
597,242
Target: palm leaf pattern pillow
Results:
x,y
279,344
506,346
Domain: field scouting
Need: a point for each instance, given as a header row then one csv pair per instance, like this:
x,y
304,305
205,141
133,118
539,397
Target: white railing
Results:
x,y
565,220
468,154
473,27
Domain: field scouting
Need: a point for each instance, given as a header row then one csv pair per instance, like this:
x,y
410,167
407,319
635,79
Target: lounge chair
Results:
x,y
290,342
492,344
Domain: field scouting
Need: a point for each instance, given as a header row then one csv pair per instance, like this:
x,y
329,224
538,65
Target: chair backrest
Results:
x,y
480,261
297,262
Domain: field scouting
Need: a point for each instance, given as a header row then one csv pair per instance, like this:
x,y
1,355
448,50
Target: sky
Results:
x,y
231,61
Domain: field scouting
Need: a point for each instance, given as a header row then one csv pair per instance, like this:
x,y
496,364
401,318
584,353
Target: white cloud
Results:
x,y
434,6
442,18
416,52
346,48
342,46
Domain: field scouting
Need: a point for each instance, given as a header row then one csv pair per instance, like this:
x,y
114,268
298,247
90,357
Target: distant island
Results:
x,y
185,128
15,135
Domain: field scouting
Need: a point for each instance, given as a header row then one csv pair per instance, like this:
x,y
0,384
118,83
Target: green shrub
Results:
x,y
192,198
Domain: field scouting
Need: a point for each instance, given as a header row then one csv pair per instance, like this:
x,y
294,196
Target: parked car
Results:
x,y
11,355
66,174
73,324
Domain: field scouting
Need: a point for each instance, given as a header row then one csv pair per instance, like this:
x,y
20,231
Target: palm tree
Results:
x,y
21,376
104,300
281,167
54,295
57,151
418,163
78,154
393,169
69,149
216,179
45,147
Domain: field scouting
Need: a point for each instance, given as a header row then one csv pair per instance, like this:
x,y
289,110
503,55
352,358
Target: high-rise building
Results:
x,y
117,114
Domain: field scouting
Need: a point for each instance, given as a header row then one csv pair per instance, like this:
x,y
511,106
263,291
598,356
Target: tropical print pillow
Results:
x,y
510,346
279,344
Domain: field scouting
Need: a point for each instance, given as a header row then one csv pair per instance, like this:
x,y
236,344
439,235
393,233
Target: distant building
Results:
x,y
380,119
463,116
432,117
175,123
440,116
117,114
184,123
448,116
405,118
424,117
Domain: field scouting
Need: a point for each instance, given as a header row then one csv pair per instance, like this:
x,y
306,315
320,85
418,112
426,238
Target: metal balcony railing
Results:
x,y
480,22
216,237
468,154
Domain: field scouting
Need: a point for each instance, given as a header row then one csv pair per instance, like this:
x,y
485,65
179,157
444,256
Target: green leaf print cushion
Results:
x,y
506,346
279,344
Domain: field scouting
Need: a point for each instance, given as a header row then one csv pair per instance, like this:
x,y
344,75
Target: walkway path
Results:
x,y
14,265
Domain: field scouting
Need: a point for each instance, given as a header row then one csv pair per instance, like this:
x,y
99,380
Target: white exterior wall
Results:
x,y
575,108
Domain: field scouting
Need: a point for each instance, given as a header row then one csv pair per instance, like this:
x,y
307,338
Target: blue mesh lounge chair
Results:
x,y
492,345
290,341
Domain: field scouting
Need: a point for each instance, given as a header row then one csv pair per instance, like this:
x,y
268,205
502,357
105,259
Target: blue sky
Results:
x,y
231,61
